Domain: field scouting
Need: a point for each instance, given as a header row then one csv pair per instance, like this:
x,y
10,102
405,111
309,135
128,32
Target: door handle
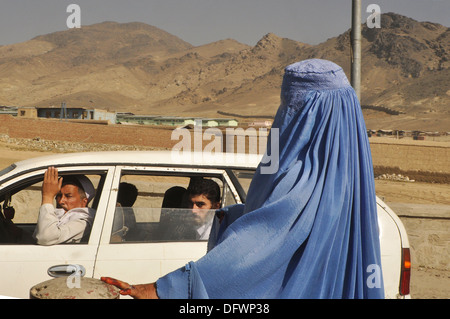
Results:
x,y
66,270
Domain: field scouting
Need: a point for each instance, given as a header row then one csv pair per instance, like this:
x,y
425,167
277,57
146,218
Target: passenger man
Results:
x,y
72,219
202,196
193,223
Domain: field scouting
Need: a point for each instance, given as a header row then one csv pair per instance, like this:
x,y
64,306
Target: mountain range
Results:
x,y
135,67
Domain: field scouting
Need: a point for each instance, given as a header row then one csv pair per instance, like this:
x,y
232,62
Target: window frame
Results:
x,y
28,178
154,171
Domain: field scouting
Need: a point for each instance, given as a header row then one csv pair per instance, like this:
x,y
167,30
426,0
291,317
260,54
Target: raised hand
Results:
x,y
51,185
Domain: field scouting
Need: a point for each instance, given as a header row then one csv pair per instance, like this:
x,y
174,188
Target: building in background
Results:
x,y
8,110
177,121
67,113
103,116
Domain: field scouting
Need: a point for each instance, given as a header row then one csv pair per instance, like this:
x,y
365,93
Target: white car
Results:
x,y
138,244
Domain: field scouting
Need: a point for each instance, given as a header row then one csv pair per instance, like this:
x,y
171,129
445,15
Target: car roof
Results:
x,y
159,158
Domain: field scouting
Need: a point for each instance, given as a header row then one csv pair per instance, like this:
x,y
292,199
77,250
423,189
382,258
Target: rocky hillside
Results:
x,y
140,68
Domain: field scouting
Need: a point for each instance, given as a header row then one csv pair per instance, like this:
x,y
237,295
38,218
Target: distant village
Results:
x,y
100,116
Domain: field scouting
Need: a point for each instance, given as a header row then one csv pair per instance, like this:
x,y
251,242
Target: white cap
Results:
x,y
87,186
85,183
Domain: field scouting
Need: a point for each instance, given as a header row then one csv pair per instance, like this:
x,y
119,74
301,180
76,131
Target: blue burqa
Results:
x,y
309,229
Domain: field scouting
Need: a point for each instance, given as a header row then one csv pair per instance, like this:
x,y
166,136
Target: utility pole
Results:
x,y
63,111
356,47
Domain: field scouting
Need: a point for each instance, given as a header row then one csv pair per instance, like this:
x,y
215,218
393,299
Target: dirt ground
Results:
x,y
424,209
422,205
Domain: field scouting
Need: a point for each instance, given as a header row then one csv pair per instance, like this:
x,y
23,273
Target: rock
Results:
x,y
395,177
64,288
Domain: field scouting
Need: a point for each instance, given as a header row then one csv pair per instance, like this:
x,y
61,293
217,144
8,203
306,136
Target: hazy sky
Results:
x,y
203,21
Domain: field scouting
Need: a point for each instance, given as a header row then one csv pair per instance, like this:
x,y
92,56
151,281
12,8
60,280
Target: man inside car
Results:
x,y
186,213
202,196
71,220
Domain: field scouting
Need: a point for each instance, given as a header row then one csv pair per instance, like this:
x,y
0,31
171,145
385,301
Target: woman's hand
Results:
x,y
145,291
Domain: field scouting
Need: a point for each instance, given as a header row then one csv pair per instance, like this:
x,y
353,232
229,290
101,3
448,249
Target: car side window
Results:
x,y
156,209
20,204
20,210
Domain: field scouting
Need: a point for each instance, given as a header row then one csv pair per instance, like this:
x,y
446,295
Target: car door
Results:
x,y
144,250
24,264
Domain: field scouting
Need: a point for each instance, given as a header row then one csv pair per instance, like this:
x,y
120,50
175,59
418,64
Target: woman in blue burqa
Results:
x,y
309,227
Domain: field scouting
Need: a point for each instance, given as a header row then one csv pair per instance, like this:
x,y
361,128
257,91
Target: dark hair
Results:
x,y
203,186
174,197
127,194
